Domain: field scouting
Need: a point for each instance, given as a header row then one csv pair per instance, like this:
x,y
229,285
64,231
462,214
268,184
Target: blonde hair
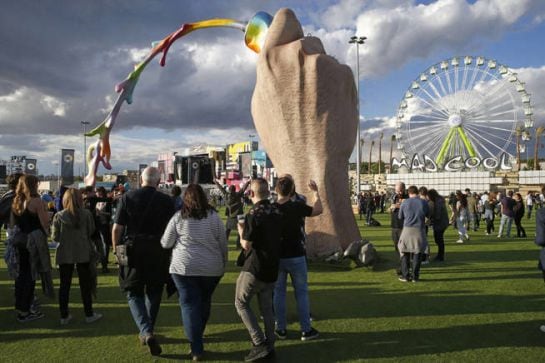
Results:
x,y
27,188
72,202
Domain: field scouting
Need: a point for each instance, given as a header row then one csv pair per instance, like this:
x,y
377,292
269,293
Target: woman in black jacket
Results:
x,y
519,213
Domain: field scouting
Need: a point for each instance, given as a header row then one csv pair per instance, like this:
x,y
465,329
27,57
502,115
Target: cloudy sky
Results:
x,y
60,60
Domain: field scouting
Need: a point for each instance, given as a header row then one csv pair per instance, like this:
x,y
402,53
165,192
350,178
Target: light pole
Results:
x,y
380,151
358,40
84,123
370,154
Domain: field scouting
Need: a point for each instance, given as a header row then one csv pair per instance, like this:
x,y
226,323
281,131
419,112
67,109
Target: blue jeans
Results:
x,y
195,294
296,267
505,220
405,265
145,307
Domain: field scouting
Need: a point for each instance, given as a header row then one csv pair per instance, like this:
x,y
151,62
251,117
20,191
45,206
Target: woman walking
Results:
x,y
439,221
72,228
490,212
198,261
28,217
461,217
519,213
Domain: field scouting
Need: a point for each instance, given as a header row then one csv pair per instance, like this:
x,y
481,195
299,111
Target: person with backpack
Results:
x,y
142,216
7,199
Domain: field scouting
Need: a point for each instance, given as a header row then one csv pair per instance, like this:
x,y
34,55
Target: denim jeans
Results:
x,y
461,225
85,283
145,307
248,286
296,267
505,220
405,268
195,295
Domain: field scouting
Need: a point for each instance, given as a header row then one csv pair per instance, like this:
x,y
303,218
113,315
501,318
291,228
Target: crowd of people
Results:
x,y
177,242
415,210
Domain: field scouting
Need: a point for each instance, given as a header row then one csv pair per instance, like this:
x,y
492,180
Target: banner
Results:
x,y
67,166
30,167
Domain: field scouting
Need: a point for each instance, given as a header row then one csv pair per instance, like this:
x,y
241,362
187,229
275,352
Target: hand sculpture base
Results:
x,y
304,109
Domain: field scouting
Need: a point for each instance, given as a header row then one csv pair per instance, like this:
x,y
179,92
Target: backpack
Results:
x,y
363,253
5,207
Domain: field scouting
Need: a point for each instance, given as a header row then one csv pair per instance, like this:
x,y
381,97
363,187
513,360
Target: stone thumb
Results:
x,y
284,29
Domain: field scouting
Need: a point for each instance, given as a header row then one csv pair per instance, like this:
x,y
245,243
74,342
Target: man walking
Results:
x,y
142,216
396,221
260,238
412,242
507,214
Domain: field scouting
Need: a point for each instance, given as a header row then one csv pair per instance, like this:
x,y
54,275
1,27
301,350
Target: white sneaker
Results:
x,y
499,235
466,236
66,320
460,241
93,318
542,328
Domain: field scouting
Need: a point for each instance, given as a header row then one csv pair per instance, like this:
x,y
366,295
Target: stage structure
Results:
x,y
460,121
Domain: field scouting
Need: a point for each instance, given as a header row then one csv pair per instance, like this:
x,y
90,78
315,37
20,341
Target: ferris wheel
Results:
x,y
463,106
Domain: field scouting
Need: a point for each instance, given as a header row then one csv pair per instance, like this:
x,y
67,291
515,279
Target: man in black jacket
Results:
x,y
142,215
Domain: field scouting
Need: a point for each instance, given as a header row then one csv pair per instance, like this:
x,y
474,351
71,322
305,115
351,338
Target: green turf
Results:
x,y
485,303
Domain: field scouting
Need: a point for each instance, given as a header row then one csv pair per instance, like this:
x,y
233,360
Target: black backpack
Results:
x,y
5,207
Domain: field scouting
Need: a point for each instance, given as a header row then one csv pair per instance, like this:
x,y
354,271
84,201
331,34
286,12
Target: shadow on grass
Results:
x,y
411,342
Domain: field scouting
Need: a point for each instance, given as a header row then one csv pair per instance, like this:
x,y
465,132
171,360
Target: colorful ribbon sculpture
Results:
x,y
100,152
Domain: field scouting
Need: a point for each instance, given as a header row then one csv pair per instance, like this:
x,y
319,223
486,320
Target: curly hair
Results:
x,y
27,188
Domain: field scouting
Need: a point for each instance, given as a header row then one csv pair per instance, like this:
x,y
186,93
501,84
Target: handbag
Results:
x,y
124,250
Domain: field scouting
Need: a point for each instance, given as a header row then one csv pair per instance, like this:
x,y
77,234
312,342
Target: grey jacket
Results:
x,y
75,244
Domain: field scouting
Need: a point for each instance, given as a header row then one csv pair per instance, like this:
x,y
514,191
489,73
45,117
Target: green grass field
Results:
x,y
484,303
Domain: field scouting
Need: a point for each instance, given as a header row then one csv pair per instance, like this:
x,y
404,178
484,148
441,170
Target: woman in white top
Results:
x,y
198,261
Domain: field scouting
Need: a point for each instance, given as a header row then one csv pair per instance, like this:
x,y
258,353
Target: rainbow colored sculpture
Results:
x,y
100,152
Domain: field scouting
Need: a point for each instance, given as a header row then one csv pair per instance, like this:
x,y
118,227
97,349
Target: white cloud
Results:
x,y
535,85
53,105
400,34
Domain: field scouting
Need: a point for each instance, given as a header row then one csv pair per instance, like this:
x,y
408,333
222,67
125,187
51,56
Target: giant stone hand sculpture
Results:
x,y
304,109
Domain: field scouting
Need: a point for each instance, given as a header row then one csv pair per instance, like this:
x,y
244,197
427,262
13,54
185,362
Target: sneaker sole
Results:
x,y
35,317
310,338
258,357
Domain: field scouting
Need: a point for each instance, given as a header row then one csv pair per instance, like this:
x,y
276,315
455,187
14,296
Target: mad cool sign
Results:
x,y
457,163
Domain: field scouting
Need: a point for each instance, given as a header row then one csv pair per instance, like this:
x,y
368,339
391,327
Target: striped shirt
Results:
x,y
200,245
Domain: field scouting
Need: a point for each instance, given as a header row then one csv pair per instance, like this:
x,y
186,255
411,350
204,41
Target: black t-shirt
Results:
x,y
263,227
134,204
293,236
